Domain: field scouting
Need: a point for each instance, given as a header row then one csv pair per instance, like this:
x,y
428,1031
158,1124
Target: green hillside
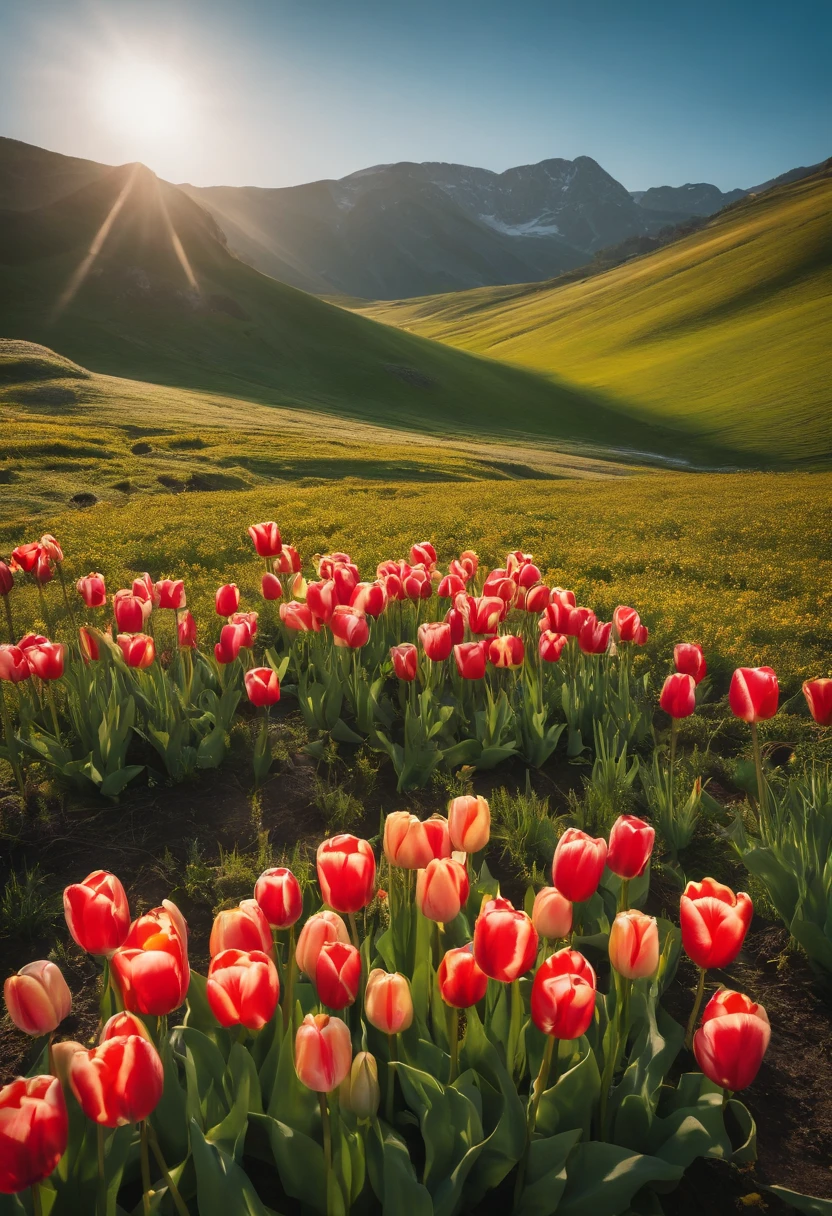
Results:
x,y
725,333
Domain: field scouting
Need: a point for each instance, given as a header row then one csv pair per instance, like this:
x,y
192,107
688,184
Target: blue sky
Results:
x,y
274,92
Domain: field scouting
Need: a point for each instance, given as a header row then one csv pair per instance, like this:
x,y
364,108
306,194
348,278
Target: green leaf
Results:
x,y
222,1187
603,1178
802,1203
392,1176
545,1179
300,1163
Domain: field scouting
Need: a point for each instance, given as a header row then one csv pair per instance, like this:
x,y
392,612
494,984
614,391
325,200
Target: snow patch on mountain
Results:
x,y
535,227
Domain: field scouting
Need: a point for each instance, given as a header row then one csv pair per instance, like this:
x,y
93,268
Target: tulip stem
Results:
x,y
618,1043
11,745
9,621
145,1168
288,995
391,1079
694,1013
453,1042
540,1084
327,1136
69,607
50,693
674,730
37,1200
624,895
514,1026
101,1207
173,1189
761,781
176,630
354,931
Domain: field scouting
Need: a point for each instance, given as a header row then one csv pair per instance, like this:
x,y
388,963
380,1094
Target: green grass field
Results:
x,y
724,335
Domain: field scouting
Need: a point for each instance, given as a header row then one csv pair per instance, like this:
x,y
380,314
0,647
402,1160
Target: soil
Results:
x,y
791,1099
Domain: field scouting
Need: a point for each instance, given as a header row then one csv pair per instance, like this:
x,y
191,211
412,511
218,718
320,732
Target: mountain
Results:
x,y
702,198
725,332
33,177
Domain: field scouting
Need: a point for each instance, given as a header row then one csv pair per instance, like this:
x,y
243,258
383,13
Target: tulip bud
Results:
x,y
563,995
450,586
441,889
46,660
51,548
349,628
435,637
552,914
288,561
337,974
631,843
233,638
131,611
6,579
462,982
121,1025
97,913
243,988
505,941
388,1004
323,1052
170,593
753,694
145,589
369,598
321,600
578,864
242,928
469,823
37,998
138,649
151,968
405,660
25,557
689,660
92,590
470,659
118,1082
485,613
263,686
536,598
346,872
406,842
550,647
732,1040
360,1092
34,1129
266,539
278,893
323,927
227,599
678,695
594,636
186,630
455,619
423,554
271,586
628,627
818,694
634,945
714,922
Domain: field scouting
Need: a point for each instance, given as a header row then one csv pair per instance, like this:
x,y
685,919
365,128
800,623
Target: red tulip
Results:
x,y
37,998
442,889
634,945
450,586
462,982
349,627
499,586
271,586
288,561
423,554
732,1040
242,928
266,539
186,630
594,637
13,664
417,584
818,694
242,988
566,618
171,593
319,929
563,995
122,1025
46,660
485,613
346,872
753,694
118,1082
465,566
578,864
34,1129
631,843
550,647
43,571
131,611
233,638
437,835
507,651
690,661
323,1052
97,913
145,588
455,619
299,617
345,579
278,893
505,941
151,968
388,1004
536,598
92,590
405,660
51,548
678,695
6,579
369,598
469,823
470,659
26,557
552,914
435,637
406,842
262,686
714,922
627,625
337,974
88,640
321,600
139,649
328,563
227,599
31,640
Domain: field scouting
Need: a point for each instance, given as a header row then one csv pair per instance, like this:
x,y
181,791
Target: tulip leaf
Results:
x,y
545,1178
449,1124
569,1103
747,1150
392,1175
169,1119
809,1204
603,1178
300,1163
199,1015
501,1107
222,1187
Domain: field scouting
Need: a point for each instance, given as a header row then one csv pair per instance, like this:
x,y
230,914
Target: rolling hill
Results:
x,y
725,332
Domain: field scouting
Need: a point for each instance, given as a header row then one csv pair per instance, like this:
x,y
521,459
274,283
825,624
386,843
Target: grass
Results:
x,y
723,335
27,908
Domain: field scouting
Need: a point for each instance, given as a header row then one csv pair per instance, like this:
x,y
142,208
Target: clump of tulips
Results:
x,y
339,1025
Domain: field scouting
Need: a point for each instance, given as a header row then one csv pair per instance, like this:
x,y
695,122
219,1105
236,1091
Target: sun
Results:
x,y
143,99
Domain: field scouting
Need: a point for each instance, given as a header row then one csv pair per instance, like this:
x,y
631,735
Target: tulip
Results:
x,y
536,598
37,998
242,988
13,664
714,922
327,563
470,659
678,695
248,620
43,571
689,659
469,823
462,982
435,637
485,613
25,557
405,660
753,694
118,1082
266,539
438,836
630,846
552,914
550,647
232,640
92,590
323,1052
278,893
151,968
51,548
62,1054
417,584
262,686
321,600
186,630
628,627
121,1025
242,928
131,611
578,864
34,1129
507,651
345,579
346,872
31,640
97,913
369,598
323,927
505,941
46,660
145,589
455,619
634,945
388,1004
818,694
360,1092
423,554
338,974
6,579
227,599
171,593
499,586
349,628
271,586
594,637
89,642
299,617
406,842
442,889
732,1040
450,586
138,649
465,566
566,618
563,995
288,561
